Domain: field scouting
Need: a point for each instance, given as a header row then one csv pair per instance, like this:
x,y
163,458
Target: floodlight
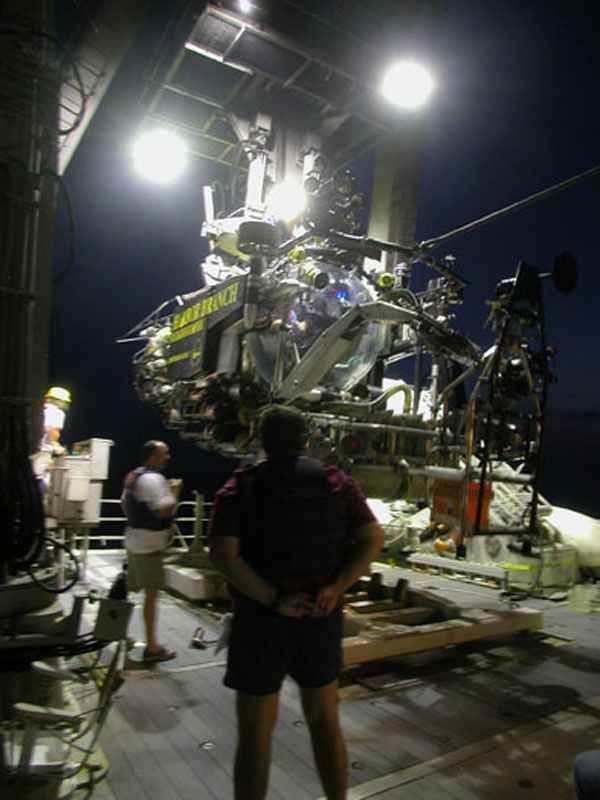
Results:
x,y
159,155
286,200
407,85
245,6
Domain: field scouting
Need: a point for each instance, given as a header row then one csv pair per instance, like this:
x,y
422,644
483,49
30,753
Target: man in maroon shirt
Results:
x,y
290,535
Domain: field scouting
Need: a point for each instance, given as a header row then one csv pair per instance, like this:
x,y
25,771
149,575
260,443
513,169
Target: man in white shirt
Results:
x,y
149,502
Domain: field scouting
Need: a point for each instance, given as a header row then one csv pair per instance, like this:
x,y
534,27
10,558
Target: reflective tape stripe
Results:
x,y
544,564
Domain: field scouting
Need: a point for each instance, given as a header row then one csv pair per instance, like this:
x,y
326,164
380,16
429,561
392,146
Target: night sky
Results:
x,y
516,110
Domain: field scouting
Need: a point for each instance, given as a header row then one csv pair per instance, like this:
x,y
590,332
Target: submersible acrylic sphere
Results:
x,y
325,293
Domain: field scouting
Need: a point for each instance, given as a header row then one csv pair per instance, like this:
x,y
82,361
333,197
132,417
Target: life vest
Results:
x,y
139,515
295,533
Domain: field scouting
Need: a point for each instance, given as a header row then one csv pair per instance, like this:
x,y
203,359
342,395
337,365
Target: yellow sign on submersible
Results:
x,y
191,319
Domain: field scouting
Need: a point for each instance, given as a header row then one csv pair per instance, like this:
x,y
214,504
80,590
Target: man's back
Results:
x,y
290,535
293,517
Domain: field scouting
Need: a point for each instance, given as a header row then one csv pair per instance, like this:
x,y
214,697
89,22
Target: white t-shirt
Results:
x,y
54,417
153,489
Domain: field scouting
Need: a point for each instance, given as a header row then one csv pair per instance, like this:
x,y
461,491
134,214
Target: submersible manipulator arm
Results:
x,y
420,252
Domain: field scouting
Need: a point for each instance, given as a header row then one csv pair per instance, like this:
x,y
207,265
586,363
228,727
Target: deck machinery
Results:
x,y
310,310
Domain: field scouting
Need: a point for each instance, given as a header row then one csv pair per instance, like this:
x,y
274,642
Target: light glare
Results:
x,y
245,6
407,85
159,155
286,200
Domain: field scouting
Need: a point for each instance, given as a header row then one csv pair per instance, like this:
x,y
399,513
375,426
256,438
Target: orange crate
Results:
x,y
448,498
472,502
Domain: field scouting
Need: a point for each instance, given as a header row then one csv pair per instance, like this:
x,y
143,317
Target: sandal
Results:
x,y
159,655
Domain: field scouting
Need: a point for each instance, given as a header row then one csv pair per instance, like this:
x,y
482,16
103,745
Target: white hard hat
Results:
x,y
58,393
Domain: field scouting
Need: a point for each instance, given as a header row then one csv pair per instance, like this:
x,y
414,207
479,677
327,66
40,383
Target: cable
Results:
x,y
29,34
409,296
72,556
15,659
84,98
429,244
20,500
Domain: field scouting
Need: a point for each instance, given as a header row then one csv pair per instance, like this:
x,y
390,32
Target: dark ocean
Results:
x,y
570,465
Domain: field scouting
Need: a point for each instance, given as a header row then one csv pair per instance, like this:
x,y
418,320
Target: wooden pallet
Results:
x,y
385,634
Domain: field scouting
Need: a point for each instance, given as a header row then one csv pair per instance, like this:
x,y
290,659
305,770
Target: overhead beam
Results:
x,y
91,69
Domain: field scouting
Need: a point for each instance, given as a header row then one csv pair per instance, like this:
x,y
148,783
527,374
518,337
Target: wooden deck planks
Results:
x,y
203,713
404,745
292,751
434,719
370,745
292,755
157,724
533,760
144,760
393,734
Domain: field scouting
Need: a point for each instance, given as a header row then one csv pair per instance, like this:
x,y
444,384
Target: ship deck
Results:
x,y
487,720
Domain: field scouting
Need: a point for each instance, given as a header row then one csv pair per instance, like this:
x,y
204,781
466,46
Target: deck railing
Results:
x,y
191,519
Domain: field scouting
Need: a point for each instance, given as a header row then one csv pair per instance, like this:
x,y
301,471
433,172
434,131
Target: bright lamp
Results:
x,y
159,155
407,85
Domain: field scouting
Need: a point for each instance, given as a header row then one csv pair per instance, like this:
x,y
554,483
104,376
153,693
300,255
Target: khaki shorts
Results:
x,y
145,570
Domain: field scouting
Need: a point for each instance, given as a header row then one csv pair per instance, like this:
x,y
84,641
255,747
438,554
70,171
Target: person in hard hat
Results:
x,y
56,403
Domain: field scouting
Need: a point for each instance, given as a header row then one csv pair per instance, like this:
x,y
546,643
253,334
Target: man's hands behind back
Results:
x,y
294,604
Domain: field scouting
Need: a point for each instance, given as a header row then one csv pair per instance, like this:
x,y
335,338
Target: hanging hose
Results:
x,y
21,507
403,387
76,575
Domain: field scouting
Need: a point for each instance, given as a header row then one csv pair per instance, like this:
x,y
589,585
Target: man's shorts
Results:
x,y
265,646
145,570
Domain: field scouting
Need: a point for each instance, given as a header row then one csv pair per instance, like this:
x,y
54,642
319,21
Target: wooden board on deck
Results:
x,y
397,640
415,615
372,606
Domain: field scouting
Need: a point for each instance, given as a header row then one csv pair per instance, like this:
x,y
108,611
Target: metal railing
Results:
x,y
191,518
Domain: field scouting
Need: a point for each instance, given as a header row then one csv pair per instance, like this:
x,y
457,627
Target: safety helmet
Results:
x,y
58,393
